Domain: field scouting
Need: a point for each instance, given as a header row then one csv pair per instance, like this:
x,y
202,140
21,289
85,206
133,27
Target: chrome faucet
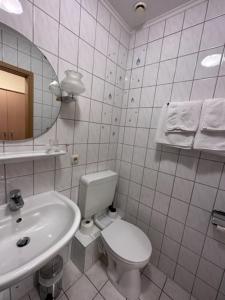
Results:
x,y
15,200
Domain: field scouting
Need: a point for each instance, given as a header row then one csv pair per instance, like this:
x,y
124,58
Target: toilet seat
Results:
x,y
127,242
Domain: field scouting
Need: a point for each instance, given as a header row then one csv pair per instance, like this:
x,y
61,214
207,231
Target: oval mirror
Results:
x,y
27,107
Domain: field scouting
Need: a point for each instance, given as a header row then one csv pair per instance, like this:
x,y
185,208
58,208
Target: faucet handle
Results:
x,y
15,200
15,194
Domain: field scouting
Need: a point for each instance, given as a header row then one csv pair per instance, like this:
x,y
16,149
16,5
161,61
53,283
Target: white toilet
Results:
x,y
127,247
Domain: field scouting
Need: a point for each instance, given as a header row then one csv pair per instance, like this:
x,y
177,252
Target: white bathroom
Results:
x,y
112,149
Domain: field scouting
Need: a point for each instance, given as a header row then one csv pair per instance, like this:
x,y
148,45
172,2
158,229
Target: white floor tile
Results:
x,y
98,297
82,290
70,275
175,291
97,275
34,295
164,297
149,290
110,293
155,285
158,277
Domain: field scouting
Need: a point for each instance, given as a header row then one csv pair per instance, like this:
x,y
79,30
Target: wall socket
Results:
x,y
74,159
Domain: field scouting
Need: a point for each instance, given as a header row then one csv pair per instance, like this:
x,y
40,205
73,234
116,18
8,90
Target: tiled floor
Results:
x,y
94,284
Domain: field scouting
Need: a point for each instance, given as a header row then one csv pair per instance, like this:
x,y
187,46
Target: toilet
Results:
x,y
128,248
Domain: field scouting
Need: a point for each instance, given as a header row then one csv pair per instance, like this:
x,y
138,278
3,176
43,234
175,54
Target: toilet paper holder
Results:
x,y
218,218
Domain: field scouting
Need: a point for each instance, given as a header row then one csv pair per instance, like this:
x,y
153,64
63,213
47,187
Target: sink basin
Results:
x,y
33,235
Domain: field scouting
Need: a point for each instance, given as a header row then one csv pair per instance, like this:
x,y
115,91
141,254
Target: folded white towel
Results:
x,y
213,115
175,139
208,139
214,141
183,116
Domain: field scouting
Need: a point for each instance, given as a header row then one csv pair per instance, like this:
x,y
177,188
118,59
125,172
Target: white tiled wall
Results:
x,y
81,35
168,192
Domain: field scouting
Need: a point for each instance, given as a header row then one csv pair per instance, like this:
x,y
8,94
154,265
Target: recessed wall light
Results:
x,y
11,6
140,6
212,60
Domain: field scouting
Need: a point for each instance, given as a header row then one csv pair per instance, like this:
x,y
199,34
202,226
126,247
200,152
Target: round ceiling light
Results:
x,y
140,7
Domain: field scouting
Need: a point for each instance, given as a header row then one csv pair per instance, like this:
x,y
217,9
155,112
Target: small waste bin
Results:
x,y
50,279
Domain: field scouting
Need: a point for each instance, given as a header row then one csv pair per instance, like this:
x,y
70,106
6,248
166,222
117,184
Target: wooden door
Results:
x,y
3,115
17,106
19,116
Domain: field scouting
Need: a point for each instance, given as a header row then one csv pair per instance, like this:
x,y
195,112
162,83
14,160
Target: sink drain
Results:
x,y
23,242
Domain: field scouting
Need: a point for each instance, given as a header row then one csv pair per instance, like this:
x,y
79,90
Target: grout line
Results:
x,y
177,160
135,135
175,69
206,236
125,117
160,155
114,86
199,48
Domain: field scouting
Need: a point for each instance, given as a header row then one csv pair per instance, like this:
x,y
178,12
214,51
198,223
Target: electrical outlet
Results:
x,y
74,159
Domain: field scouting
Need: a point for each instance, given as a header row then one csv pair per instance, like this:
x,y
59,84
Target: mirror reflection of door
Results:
x,y
16,103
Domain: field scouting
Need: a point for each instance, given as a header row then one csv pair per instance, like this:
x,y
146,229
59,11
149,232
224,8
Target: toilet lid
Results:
x,y
127,241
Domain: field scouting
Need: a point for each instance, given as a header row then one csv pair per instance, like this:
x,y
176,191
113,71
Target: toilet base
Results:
x,y
126,281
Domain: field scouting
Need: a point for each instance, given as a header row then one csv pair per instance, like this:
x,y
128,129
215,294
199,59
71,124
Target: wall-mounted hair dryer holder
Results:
x,y
218,218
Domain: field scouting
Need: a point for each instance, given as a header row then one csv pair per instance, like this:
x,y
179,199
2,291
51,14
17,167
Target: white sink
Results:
x,y
49,220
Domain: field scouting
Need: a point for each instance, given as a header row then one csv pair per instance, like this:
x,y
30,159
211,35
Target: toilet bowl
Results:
x,y
128,250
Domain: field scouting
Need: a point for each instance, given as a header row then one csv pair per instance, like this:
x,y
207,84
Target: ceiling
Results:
x,y
154,9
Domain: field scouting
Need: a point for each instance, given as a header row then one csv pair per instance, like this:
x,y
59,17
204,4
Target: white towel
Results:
x,y
214,141
183,116
213,115
209,140
181,140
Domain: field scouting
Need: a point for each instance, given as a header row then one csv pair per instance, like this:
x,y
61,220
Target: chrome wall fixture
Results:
x,y
69,88
218,218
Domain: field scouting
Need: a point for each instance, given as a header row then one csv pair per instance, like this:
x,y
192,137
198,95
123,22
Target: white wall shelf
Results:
x,y
12,157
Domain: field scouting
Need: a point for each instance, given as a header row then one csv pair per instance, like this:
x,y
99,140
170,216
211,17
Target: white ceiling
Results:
x,y
154,9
